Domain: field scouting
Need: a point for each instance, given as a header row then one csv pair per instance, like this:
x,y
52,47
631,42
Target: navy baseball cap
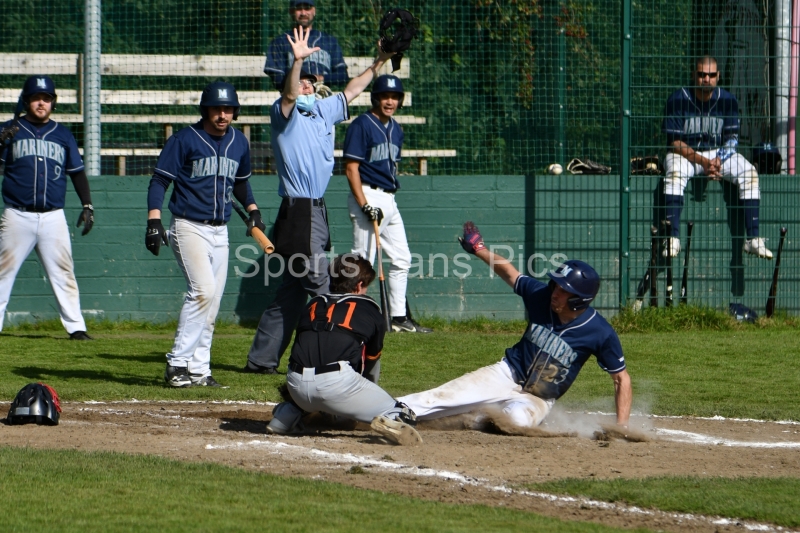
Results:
x,y
295,3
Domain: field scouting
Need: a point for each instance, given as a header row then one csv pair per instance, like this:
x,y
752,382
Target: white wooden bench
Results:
x,y
220,67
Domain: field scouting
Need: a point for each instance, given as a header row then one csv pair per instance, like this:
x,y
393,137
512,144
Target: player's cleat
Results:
x,y
396,431
250,368
275,427
83,336
672,247
205,381
406,324
757,246
177,376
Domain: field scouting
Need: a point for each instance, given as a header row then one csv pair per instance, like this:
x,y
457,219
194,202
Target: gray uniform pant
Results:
x,y
303,276
344,393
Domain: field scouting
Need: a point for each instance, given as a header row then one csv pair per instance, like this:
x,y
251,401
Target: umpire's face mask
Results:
x,y
305,102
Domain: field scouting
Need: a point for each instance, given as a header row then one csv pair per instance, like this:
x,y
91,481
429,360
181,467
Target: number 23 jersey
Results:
x,y
550,354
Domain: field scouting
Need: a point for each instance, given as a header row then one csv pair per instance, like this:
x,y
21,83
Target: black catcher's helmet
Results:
x,y
35,403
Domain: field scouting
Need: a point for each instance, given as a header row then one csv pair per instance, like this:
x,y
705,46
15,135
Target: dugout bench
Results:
x,y
217,67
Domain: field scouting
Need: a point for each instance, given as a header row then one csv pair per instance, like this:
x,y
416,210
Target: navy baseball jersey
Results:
x,y
339,327
203,169
551,354
377,148
37,162
701,125
327,61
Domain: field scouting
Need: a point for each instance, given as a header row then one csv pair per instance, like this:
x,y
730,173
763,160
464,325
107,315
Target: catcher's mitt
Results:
x,y
648,165
397,29
587,166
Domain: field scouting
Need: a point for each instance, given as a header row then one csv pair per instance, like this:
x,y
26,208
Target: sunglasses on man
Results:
x,y
701,74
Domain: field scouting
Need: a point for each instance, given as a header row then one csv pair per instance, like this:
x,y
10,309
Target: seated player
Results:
x,y
339,338
702,127
563,331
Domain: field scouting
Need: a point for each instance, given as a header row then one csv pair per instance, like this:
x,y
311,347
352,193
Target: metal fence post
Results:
x,y
91,89
624,153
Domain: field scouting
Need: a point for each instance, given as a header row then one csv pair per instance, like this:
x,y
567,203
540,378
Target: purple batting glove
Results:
x,y
472,242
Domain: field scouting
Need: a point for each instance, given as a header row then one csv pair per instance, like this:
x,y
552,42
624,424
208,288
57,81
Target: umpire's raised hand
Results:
x,y
155,235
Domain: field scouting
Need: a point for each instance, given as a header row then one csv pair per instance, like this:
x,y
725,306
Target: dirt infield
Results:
x,y
454,464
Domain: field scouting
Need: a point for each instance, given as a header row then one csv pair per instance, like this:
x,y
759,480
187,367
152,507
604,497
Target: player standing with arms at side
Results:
x,y
702,127
563,332
372,149
338,341
37,160
302,136
207,163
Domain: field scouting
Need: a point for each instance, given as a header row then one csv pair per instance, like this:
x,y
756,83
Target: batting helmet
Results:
x,y
578,278
36,85
36,402
219,93
387,83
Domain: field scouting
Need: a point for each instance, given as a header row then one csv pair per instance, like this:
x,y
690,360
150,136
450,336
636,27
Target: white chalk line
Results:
x,y
675,435
278,447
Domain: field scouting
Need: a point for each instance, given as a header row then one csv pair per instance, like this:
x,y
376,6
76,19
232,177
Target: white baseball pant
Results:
x,y
487,388
47,233
736,169
393,242
202,254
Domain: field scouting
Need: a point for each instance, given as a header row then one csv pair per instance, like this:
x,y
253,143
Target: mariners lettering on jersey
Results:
x,y
551,344
384,151
711,126
208,166
40,148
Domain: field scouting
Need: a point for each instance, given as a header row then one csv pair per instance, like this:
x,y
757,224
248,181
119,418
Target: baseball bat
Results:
x,y
644,284
685,278
256,233
773,288
653,263
668,291
384,298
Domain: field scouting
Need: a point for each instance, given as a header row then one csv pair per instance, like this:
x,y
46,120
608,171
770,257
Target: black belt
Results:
x,y
382,189
208,222
34,209
333,367
318,202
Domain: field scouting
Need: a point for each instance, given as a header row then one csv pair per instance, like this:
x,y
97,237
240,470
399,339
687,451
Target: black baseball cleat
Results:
x,y
406,324
177,376
205,381
250,368
79,336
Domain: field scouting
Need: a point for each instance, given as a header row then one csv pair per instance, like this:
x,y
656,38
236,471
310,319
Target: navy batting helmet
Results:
x,y
219,93
578,278
36,85
36,402
387,83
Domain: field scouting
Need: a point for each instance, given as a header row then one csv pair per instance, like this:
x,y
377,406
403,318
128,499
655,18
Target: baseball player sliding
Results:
x,y
37,159
563,332
339,339
207,163
372,149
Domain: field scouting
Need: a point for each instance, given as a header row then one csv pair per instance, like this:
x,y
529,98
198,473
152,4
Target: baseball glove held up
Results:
x,y
472,242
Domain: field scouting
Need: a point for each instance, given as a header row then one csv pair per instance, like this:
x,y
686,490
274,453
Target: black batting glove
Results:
x,y
255,221
155,235
86,218
373,213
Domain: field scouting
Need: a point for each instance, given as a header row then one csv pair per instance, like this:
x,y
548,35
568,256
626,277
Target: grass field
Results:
x,y
714,367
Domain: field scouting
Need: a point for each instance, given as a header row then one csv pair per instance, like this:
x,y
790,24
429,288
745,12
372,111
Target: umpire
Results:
x,y
302,128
